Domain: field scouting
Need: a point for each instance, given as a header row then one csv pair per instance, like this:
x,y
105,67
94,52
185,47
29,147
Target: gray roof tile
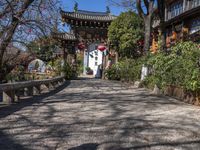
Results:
x,y
88,15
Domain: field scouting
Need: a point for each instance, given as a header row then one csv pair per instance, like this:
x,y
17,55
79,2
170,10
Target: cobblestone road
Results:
x,y
99,115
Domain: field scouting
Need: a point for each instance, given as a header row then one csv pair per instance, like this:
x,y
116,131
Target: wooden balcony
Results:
x,y
187,7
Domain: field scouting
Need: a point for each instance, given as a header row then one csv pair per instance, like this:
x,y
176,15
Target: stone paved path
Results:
x,y
100,115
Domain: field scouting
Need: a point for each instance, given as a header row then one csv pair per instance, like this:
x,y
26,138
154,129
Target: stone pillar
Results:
x,y
116,57
85,61
103,66
17,96
30,91
8,97
50,86
36,90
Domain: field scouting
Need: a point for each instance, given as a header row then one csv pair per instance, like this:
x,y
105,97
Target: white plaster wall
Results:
x,y
92,58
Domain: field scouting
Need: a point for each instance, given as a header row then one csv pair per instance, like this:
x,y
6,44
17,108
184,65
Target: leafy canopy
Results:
x,y
125,32
179,68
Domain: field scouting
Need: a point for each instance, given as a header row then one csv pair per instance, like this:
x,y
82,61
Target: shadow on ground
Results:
x,y
91,114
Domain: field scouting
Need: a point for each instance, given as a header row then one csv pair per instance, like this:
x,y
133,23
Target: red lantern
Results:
x,y
81,46
101,48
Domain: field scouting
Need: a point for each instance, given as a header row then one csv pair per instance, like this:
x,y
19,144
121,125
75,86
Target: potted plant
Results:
x,y
89,71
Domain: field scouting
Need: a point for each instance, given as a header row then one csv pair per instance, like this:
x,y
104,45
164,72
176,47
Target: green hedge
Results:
x,y
179,68
126,70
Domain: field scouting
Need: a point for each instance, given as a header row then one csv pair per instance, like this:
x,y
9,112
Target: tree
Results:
x,y
43,48
23,21
161,14
146,10
147,17
125,32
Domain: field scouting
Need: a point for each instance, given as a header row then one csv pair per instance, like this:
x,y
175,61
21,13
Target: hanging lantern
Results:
x,y
81,46
101,48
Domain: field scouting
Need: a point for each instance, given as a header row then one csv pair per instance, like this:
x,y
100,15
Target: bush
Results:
x,y
179,68
128,70
68,71
80,67
113,73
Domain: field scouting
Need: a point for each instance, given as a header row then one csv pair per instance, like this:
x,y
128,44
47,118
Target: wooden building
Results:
x,y
182,21
88,30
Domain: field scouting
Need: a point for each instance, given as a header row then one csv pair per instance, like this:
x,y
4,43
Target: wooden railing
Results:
x,y
13,91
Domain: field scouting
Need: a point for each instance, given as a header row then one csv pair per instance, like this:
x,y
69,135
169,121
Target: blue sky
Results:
x,y
90,5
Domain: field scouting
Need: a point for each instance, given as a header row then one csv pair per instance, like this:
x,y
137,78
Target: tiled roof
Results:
x,y
66,36
88,15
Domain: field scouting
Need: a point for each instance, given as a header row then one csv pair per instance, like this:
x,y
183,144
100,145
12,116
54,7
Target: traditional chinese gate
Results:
x,y
88,30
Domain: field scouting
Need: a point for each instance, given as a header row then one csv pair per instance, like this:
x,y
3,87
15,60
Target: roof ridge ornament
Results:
x,y
75,7
108,10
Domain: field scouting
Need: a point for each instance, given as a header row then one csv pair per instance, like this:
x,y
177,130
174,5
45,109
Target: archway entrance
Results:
x,y
88,30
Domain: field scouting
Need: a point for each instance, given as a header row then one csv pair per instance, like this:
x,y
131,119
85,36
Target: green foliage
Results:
x,y
79,64
179,68
36,65
87,69
43,49
57,65
126,70
68,71
113,73
61,67
125,32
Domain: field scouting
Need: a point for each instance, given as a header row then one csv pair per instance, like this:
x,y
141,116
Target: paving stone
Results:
x,y
92,114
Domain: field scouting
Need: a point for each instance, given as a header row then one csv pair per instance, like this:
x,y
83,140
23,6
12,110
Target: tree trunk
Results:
x,y
65,56
163,36
9,34
147,34
161,13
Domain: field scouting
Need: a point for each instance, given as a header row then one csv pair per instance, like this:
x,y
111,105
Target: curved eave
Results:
x,y
86,17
